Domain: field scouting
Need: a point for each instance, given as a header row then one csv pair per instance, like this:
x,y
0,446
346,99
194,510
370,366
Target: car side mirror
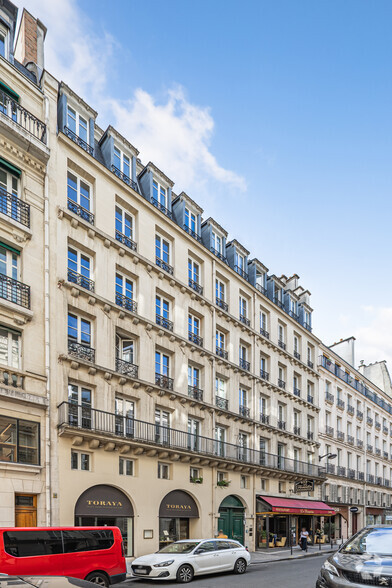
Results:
x,y
198,551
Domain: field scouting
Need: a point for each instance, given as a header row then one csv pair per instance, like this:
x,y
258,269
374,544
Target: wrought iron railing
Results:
x,y
127,241
126,368
369,421
310,364
14,291
351,474
282,344
330,468
369,448
221,352
377,425
264,375
308,327
80,211
297,392
218,255
297,430
22,117
361,476
281,384
195,286
264,418
161,207
278,302
222,304
245,365
163,322
244,411
359,443
194,338
14,207
195,393
340,435
310,435
192,233
310,398
261,289
377,451
244,319
340,403
329,431
282,425
164,381
124,177
370,478
385,455
341,471
154,434
81,351
350,439
385,430
297,355
329,397
294,315
165,266
79,141
126,302
350,409
264,333
241,272
222,402
359,415
80,280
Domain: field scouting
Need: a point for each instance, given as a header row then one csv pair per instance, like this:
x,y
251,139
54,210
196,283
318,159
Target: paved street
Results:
x,y
285,574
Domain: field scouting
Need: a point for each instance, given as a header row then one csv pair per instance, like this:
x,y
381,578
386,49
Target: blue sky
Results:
x,y
275,116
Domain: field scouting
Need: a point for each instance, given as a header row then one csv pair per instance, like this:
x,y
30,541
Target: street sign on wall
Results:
x,y
304,486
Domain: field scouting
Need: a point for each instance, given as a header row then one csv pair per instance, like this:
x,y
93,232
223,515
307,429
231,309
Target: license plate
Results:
x,y
141,571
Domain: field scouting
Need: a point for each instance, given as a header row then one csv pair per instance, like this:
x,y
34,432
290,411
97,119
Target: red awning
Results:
x,y
294,506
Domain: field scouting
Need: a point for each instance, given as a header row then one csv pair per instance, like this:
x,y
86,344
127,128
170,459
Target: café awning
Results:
x,y
293,506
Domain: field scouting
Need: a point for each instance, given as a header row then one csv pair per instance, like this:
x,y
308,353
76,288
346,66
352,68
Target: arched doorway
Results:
x,y
174,513
101,506
231,520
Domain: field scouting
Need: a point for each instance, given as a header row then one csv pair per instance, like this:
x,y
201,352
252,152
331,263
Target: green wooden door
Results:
x,y
237,525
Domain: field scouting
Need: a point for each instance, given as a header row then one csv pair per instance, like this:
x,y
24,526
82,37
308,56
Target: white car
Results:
x,y
182,560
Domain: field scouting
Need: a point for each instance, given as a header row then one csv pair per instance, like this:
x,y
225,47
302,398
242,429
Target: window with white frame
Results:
x,y
126,467
193,376
296,345
10,348
220,387
162,424
79,329
190,221
281,374
163,471
8,183
79,406
220,290
193,325
281,336
162,249
240,261
80,461
121,162
124,289
220,339
125,349
78,191
194,427
263,321
243,353
159,193
193,272
244,482
243,307
162,307
263,405
124,224
3,42
162,364
221,477
79,268
217,242
77,124
243,397
9,265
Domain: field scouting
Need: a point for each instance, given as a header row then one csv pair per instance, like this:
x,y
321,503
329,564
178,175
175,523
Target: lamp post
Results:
x,y
328,455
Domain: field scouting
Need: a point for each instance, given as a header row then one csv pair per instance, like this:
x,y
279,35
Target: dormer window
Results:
x,y
190,221
3,42
121,163
293,309
159,193
77,124
217,242
239,261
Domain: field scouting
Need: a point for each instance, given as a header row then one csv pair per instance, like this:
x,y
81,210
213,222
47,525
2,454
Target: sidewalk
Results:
x,y
284,553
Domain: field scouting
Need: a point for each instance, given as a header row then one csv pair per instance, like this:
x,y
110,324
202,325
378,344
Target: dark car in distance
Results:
x,y
364,560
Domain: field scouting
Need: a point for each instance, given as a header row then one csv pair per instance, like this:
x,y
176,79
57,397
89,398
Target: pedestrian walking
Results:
x,y
303,539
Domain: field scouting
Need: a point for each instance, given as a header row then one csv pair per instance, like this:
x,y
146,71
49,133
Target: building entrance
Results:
x,y
231,518
25,510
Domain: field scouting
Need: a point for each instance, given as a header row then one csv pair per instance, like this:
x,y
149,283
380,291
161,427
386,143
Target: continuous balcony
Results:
x,y
245,365
244,411
281,384
195,286
241,272
282,344
192,233
244,319
14,291
81,351
150,435
164,381
126,368
195,393
264,333
126,302
164,265
161,207
194,338
81,280
163,322
78,140
124,177
218,254
222,304
14,207
80,211
127,241
12,110
221,352
264,375
222,402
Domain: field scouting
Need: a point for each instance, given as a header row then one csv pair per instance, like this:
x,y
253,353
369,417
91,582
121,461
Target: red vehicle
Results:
x,y
89,553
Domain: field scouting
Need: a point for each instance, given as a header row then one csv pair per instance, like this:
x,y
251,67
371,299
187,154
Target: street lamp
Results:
x,y
328,456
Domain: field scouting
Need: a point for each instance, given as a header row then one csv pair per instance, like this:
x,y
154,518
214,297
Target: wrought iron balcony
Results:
x,y
297,355
329,431
261,289
80,211
195,286
22,117
222,304
350,439
222,402
80,280
281,384
195,393
264,418
310,364
377,451
241,272
221,352
81,351
264,375
310,399
350,409
361,476
126,368
218,254
278,302
340,404
385,454
164,381
308,327
340,435
14,291
163,322
351,474
297,430
126,302
282,344
244,411
78,140
370,478
369,421
195,338
14,207
341,471
385,430
329,398
310,435
126,179
127,241
297,392
359,415
369,448
150,434
161,207
244,319
245,365
282,425
359,443
378,480
264,333
331,468
192,233
293,315
165,266
377,426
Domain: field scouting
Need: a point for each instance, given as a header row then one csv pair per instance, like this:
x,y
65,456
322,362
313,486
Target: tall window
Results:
x,y
263,405
79,330
263,321
239,261
3,38
243,352
193,325
162,249
125,415
220,438
8,263
10,343
159,193
124,287
190,221
216,242
121,162
243,307
263,450
281,333
220,339
124,223
78,191
80,406
243,397
193,434
77,124
162,307
19,441
220,387
243,443
79,268
162,424
193,271
8,183
220,290
193,376
125,349
161,364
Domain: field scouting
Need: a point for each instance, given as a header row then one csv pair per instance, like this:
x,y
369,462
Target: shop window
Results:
x,y
80,461
163,471
126,467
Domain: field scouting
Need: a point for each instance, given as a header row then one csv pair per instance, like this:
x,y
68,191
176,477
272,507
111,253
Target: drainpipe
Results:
x,y
48,487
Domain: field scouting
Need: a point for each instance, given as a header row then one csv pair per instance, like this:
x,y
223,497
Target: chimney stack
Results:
x,y
29,47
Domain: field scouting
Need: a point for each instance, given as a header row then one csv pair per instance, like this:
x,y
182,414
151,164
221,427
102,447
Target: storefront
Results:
x,y
374,516
175,512
337,527
101,506
280,520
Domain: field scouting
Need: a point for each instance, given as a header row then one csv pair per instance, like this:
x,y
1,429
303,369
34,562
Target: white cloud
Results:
x,y
175,135
374,340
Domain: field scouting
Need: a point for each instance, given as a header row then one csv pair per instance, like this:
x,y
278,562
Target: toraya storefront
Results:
x,y
176,511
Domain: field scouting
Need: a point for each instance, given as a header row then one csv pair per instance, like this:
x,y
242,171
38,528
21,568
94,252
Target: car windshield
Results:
x,y
183,547
375,541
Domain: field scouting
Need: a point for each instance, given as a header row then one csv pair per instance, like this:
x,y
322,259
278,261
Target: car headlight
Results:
x,y
330,568
164,564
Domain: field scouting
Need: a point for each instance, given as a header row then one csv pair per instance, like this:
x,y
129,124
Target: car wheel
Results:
x,y
99,578
185,574
240,566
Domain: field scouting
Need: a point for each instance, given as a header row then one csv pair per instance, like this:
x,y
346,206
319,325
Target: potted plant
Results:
x,y
263,536
223,483
197,480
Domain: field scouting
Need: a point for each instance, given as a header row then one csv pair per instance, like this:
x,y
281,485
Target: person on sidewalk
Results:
x,y
303,539
221,535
